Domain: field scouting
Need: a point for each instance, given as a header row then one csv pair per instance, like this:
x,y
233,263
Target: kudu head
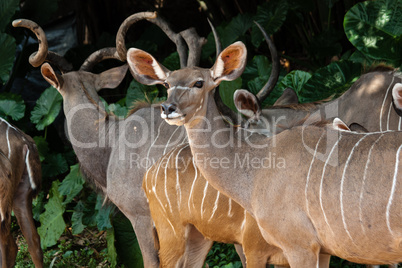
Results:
x,y
188,88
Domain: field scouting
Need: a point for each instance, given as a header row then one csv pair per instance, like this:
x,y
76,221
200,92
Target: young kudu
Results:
x,y
307,204
20,182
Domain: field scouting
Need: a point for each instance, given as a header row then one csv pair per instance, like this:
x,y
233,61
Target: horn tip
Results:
x,y
16,23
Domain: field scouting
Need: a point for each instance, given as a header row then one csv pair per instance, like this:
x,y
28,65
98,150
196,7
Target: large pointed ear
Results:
x,y
111,78
288,96
230,63
355,127
247,104
145,68
51,76
338,124
397,98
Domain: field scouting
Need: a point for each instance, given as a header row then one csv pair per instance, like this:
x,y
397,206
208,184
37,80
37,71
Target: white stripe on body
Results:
x,y
342,183
215,206
363,183
308,176
203,198
178,189
166,192
29,170
322,181
192,186
389,114
391,196
383,102
230,212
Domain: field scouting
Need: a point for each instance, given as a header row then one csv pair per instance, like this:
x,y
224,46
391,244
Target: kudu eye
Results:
x,y
166,85
198,84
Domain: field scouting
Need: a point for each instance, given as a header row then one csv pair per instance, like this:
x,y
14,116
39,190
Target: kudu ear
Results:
x,y
230,63
247,104
145,68
397,98
355,127
338,124
111,78
288,96
51,76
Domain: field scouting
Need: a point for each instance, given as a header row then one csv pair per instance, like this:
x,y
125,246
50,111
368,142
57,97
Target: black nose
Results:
x,y
168,108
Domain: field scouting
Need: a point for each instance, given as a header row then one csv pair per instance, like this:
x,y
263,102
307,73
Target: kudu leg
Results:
x,y
7,244
239,250
197,248
22,207
143,230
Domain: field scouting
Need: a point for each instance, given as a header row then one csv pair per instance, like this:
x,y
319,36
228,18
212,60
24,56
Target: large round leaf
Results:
x,y
12,105
47,108
375,28
331,80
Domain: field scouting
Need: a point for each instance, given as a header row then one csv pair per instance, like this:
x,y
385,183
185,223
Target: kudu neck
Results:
x,y
215,147
90,131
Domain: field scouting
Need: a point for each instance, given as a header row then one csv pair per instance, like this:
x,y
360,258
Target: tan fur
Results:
x,y
283,198
238,226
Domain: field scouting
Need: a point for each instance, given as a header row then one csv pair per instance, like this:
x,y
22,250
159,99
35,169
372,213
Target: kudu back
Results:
x,y
306,205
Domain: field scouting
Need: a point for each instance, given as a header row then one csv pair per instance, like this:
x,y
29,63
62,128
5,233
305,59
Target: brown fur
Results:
x,y
17,191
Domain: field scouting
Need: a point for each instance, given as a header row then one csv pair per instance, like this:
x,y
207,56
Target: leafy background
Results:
x,y
324,47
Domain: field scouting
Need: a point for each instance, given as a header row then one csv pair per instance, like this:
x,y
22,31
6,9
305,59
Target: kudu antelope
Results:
x,y
306,205
20,181
186,211
367,103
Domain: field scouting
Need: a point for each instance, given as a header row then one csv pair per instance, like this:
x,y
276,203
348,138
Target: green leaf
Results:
x,y
235,29
12,105
375,29
7,10
72,184
89,216
54,164
52,222
111,249
140,92
270,16
118,110
104,213
333,79
295,80
172,62
76,219
227,89
43,147
47,108
38,205
126,242
7,56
